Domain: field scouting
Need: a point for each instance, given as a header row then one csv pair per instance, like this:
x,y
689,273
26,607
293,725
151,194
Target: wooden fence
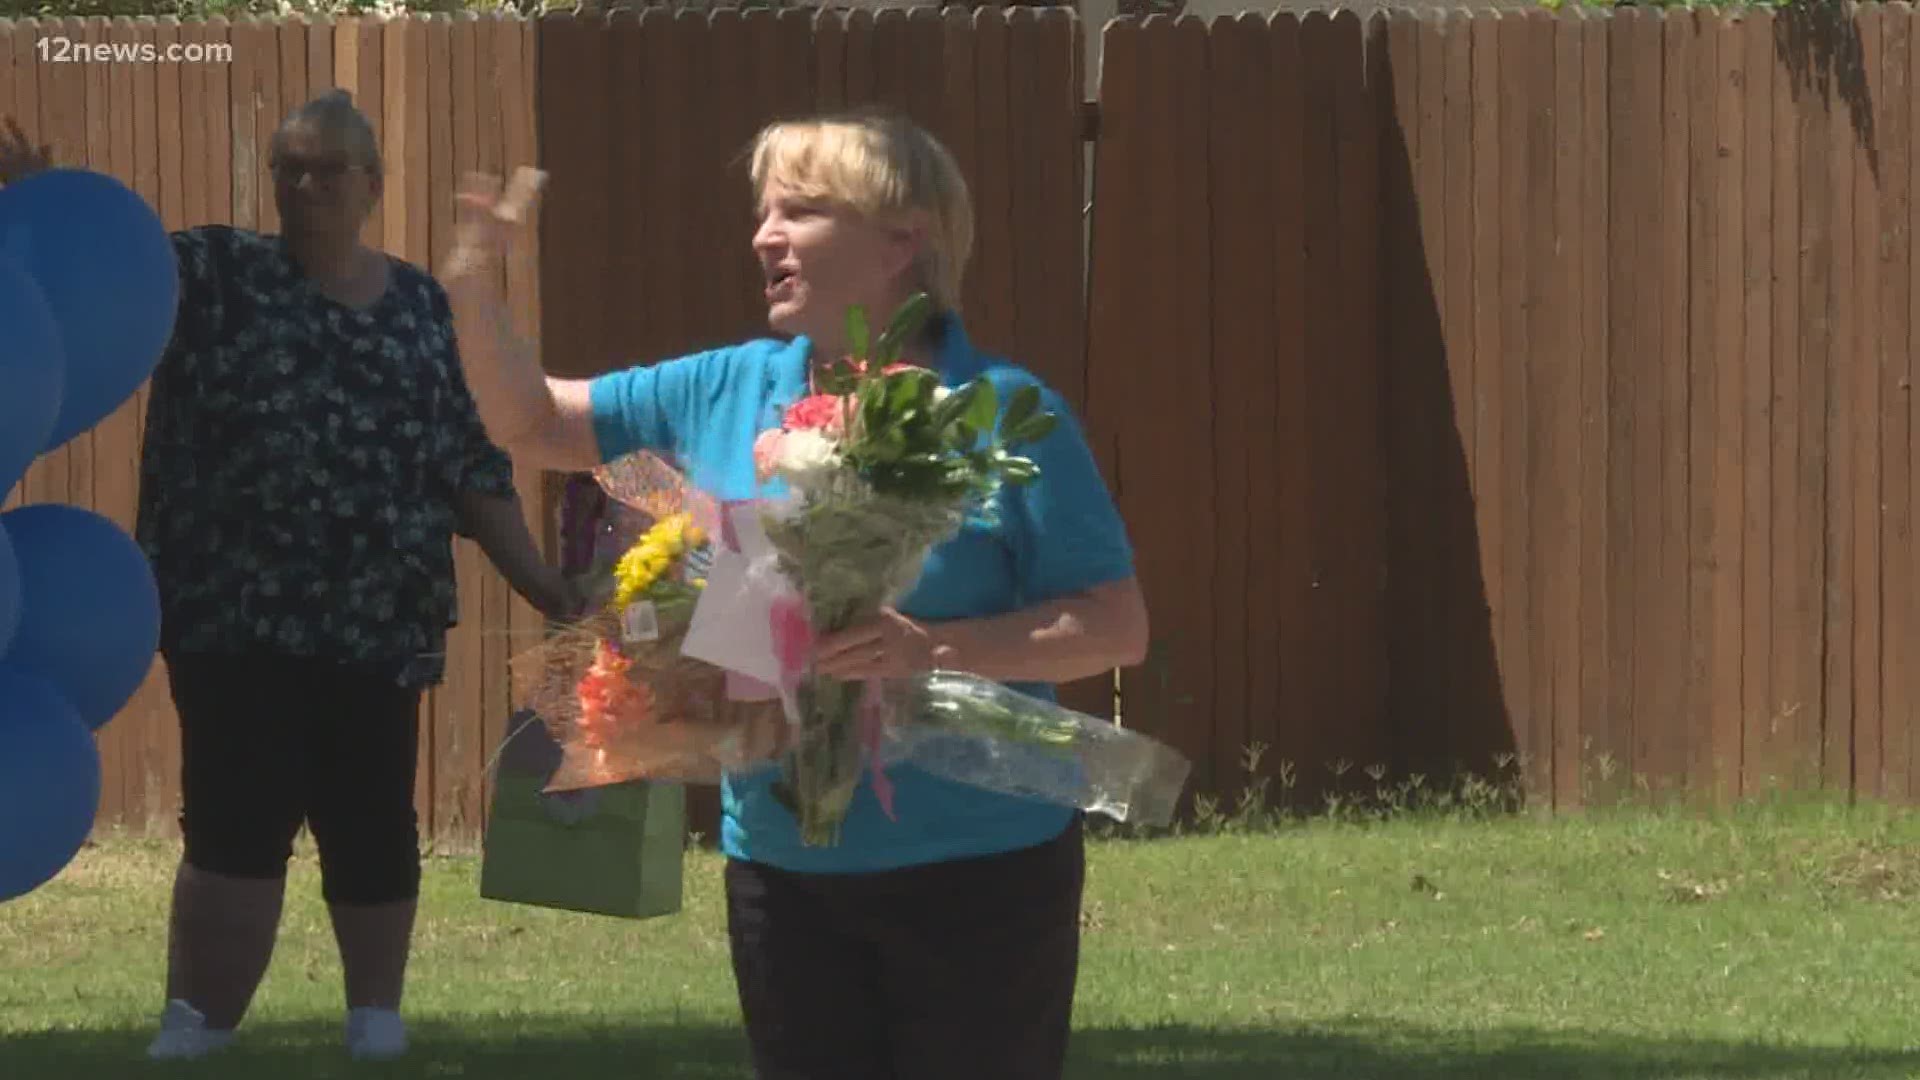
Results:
x,y
1521,385
1473,385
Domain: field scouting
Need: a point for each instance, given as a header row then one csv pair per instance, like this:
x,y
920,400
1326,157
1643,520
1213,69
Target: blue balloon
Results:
x,y
89,608
32,368
49,782
107,267
9,593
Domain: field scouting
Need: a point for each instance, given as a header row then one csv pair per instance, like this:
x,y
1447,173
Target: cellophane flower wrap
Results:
x,y
979,732
614,688
882,463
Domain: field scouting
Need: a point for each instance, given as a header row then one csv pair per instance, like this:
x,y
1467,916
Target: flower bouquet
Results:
x,y
882,463
614,689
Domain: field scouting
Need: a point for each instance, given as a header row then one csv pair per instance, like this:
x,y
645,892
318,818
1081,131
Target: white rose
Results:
x,y
806,457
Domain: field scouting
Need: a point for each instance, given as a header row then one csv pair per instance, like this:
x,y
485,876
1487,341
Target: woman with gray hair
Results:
x,y
310,450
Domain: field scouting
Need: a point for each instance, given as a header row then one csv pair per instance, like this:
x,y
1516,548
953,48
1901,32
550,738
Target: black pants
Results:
x,y
269,743
961,970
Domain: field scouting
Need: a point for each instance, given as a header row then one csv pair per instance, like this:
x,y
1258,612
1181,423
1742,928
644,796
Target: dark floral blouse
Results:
x,y
300,464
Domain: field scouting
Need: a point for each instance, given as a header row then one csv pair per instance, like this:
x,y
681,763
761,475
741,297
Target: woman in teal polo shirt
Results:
x,y
944,943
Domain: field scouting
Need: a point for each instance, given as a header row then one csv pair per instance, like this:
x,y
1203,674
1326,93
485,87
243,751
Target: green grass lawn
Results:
x,y
1769,942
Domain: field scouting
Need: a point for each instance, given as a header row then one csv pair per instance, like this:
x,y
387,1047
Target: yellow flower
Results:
x,y
646,561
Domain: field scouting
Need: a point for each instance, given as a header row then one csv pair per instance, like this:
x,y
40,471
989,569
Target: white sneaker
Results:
x,y
375,1034
184,1034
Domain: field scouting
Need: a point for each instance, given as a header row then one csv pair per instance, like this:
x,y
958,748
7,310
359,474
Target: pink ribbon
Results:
x,y
873,717
793,645
792,639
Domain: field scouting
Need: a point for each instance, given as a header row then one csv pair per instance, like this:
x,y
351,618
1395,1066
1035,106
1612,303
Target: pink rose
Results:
x,y
766,453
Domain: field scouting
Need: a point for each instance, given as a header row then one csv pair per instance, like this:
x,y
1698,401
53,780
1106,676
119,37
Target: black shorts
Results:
x,y
269,743
961,970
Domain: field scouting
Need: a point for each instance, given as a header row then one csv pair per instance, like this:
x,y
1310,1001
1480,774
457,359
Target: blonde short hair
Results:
x,y
882,166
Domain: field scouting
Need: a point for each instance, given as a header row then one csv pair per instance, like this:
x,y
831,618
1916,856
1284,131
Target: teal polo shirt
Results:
x,y
1058,535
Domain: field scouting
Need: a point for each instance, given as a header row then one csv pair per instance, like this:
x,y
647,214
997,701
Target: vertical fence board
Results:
x,y
1795,705
216,80
516,58
1292,667
1560,433
1115,287
269,107
239,209
160,119
1703,417
358,68
1902,675
1408,190
1811,505
1633,94
1841,337
1469,685
1488,344
578,201
1759,744
924,56
668,81
495,628
1900,665
830,59
1891,112
322,73
857,76
1527,66
629,308
1360,577
888,61
1862,359
1510,185
1598,540
1240,86
1733,367
993,298
290,38
751,110
958,129
1660,713
462,712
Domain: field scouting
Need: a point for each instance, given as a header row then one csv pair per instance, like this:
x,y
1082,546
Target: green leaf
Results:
x,y
1018,470
1022,405
1033,430
857,330
904,326
954,408
907,389
984,406
873,408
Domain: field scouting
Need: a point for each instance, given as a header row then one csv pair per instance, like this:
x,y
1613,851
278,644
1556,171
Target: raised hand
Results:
x,y
486,218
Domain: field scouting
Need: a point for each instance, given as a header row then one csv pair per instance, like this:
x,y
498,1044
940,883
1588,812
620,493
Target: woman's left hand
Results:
x,y
889,646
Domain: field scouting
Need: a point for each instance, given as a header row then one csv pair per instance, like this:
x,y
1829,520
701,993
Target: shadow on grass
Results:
x,y
1386,1050
502,1047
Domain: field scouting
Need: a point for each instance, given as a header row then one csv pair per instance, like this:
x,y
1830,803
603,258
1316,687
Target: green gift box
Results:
x,y
614,850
